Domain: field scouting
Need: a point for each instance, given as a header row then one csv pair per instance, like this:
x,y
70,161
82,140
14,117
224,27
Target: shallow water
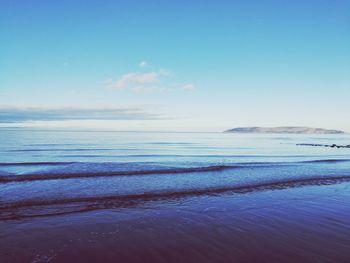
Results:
x,y
70,196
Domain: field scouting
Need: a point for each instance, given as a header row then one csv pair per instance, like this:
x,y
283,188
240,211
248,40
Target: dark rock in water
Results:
x,y
324,145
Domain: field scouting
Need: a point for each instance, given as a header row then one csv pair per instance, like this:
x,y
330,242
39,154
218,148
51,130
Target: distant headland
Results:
x,y
283,130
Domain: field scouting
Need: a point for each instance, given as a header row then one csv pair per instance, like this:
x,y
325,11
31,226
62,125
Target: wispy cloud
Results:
x,y
131,79
143,64
155,81
13,114
188,87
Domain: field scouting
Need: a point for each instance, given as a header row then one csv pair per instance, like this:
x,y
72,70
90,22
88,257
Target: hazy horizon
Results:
x,y
174,66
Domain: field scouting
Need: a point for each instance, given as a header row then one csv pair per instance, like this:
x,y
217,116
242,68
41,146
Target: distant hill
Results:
x,y
290,130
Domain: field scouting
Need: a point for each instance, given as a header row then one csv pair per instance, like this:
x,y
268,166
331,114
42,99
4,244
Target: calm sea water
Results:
x,y
72,196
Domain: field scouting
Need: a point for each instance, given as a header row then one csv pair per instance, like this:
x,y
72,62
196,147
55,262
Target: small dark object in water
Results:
x,y
324,145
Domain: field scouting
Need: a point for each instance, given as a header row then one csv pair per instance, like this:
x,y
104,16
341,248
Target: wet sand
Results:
x,y
303,224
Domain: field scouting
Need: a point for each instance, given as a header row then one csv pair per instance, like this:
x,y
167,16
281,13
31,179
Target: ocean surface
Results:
x,y
104,196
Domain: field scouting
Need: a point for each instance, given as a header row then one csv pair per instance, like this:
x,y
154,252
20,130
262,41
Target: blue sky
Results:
x,y
175,65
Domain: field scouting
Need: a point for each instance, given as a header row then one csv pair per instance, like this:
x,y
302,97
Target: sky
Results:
x,y
174,65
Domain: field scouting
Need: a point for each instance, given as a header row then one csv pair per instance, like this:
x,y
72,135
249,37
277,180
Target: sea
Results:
x,y
107,196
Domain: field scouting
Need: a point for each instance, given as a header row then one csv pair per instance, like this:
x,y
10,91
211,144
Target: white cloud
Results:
x,y
156,81
134,78
143,64
164,72
188,87
13,114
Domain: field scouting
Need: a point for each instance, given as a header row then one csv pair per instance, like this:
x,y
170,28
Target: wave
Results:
x,y
171,143
86,156
47,207
156,155
51,176
67,170
62,150
58,144
328,161
35,163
